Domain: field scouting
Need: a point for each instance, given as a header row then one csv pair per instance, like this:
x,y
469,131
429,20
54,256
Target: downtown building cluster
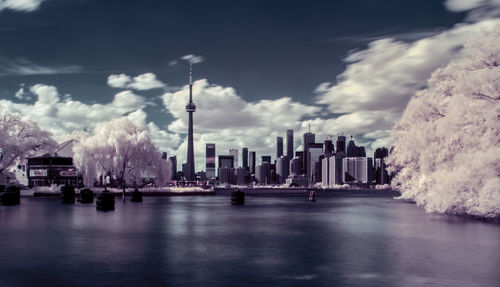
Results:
x,y
326,164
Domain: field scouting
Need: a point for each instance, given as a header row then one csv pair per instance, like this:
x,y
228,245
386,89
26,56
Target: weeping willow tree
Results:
x,y
121,149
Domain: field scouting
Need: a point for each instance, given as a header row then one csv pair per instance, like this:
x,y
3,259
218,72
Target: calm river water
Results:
x,y
348,240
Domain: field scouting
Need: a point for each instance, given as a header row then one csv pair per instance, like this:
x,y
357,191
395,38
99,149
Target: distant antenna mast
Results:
x,y
309,127
190,74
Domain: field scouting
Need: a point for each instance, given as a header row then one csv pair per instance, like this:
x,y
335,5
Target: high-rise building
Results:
x,y
325,170
309,138
244,155
289,144
190,108
315,150
226,161
328,147
173,166
351,150
380,152
263,173
341,145
210,160
266,158
226,175
282,169
253,159
234,153
296,166
335,170
241,174
279,147
356,169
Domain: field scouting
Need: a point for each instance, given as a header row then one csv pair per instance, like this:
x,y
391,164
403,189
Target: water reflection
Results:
x,y
283,241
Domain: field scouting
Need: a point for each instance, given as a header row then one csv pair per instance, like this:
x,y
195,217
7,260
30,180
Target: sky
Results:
x,y
259,67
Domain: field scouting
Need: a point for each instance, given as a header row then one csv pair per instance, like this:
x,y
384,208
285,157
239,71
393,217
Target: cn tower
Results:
x,y
190,108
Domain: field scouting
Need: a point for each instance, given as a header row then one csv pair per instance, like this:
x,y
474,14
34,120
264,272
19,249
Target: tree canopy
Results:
x,y
446,150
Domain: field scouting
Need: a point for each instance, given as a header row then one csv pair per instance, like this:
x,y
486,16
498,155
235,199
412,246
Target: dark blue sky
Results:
x,y
264,49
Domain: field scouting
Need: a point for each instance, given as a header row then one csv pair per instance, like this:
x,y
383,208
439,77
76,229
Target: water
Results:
x,y
354,240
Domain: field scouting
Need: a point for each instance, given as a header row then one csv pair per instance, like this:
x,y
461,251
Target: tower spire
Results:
x,y
309,127
190,74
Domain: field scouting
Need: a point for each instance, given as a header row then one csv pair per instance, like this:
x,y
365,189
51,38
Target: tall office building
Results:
x,y
315,150
380,152
190,108
351,150
296,166
263,173
234,153
282,169
341,145
253,162
309,138
266,158
173,166
210,160
226,161
328,147
289,144
244,155
279,147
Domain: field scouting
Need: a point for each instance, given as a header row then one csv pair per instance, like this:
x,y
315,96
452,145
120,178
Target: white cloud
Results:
x,y
20,5
119,81
379,81
479,9
146,81
63,115
193,59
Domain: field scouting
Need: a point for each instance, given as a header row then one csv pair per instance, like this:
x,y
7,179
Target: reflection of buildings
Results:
x,y
51,169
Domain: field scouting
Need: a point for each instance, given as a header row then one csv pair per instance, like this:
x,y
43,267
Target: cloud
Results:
x,y
478,9
63,115
224,118
20,5
23,67
146,81
378,82
193,59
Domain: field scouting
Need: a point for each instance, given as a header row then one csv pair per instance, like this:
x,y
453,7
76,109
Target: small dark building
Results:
x,y
51,169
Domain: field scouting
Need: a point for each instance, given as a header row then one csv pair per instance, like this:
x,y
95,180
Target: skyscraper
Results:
x,y
341,145
289,144
190,108
234,153
282,169
253,158
210,160
328,147
309,138
244,155
351,149
315,150
279,147
266,158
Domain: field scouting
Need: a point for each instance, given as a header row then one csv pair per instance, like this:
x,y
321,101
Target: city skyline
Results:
x,y
340,67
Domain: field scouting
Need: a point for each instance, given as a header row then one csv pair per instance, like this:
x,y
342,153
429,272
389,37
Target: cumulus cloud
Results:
x,y
20,5
146,81
192,59
63,115
225,118
479,9
378,82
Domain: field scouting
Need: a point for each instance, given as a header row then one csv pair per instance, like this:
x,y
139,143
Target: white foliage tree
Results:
x,y
446,149
122,149
20,139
